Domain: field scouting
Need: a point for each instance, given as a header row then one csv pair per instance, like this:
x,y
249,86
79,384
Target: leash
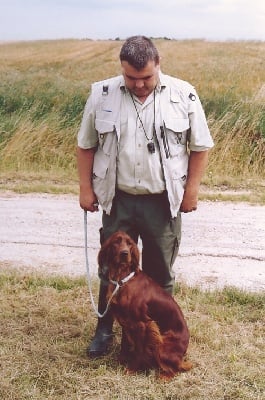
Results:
x,y
117,284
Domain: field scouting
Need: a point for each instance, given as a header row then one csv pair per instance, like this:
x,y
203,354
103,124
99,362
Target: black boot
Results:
x,y
104,335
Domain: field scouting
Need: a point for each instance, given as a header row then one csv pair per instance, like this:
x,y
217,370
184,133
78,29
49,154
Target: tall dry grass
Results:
x,y
44,86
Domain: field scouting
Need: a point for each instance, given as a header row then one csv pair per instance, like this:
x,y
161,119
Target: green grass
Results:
x,y
46,324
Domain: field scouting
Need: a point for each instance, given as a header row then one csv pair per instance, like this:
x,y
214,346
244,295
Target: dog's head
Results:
x,y
118,257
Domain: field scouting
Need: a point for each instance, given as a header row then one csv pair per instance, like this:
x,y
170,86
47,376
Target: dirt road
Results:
x,y
222,243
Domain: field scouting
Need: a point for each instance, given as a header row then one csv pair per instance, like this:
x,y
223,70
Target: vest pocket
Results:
x,y
104,166
176,133
101,164
105,131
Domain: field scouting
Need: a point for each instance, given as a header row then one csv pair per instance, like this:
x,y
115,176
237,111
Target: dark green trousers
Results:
x,y
147,217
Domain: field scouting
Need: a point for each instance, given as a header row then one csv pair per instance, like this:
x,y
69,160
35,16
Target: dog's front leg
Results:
x,y
137,361
127,347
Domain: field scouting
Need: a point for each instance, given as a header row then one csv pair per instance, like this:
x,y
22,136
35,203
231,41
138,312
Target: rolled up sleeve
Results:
x,y
87,135
200,137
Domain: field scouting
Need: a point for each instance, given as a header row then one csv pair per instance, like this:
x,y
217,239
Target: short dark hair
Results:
x,y
138,51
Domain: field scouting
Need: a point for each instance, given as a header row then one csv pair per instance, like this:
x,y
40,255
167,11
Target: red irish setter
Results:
x,y
154,332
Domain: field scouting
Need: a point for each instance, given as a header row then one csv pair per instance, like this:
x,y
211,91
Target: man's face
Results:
x,y
141,82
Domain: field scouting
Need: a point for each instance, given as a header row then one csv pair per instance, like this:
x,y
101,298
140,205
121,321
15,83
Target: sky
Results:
x,y
219,20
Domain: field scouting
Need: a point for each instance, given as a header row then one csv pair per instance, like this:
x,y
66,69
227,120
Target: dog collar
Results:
x,y
124,280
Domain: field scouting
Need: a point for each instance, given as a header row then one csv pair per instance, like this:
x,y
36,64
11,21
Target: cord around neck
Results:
x,y
138,116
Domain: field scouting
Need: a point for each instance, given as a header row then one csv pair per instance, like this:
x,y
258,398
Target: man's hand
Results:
x,y
88,200
189,202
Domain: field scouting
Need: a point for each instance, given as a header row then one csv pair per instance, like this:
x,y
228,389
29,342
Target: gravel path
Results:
x,y
222,243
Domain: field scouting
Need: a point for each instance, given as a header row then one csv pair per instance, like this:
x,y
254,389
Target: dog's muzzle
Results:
x,y
124,255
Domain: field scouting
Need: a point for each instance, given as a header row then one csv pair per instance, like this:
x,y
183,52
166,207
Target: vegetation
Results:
x,y
44,86
46,324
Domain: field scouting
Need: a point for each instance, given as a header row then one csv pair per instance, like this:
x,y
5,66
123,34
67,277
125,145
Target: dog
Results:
x,y
154,332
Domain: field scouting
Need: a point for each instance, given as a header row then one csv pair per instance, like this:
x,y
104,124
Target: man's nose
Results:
x,y
139,83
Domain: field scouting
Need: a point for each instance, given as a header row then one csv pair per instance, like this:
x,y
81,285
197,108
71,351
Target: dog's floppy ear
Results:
x,y
102,256
135,256
103,259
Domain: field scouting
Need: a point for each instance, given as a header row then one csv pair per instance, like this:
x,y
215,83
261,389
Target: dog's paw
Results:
x,y
129,371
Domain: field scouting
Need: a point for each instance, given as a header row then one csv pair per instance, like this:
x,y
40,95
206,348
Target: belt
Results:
x,y
121,193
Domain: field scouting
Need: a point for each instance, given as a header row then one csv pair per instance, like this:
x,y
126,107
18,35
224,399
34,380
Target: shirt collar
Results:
x,y
162,81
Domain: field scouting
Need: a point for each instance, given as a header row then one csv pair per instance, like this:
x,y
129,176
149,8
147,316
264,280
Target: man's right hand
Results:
x,y
88,200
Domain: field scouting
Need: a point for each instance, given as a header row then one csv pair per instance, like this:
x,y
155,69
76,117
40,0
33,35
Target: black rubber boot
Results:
x,y
103,338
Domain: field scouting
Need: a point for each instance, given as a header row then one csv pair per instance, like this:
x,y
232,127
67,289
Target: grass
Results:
x,y
47,322
64,182
44,86
53,182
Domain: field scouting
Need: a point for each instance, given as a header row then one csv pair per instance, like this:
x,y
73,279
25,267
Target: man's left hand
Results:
x,y
189,202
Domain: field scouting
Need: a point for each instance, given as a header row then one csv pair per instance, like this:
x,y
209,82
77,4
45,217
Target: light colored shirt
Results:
x,y
138,170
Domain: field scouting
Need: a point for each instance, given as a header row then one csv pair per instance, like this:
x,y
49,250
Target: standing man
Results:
x,y
142,150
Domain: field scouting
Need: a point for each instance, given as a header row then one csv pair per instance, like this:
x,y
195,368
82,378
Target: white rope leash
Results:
x,y
117,284
89,278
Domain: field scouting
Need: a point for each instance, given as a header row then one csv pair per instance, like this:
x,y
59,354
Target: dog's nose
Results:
x,y
124,253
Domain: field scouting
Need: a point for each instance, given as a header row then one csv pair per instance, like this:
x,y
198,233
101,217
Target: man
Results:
x,y
142,150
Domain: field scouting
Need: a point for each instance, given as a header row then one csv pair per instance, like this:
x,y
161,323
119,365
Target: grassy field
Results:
x,y
47,322
44,86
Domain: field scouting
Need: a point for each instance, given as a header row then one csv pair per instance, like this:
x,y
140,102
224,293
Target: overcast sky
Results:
x,y
110,19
